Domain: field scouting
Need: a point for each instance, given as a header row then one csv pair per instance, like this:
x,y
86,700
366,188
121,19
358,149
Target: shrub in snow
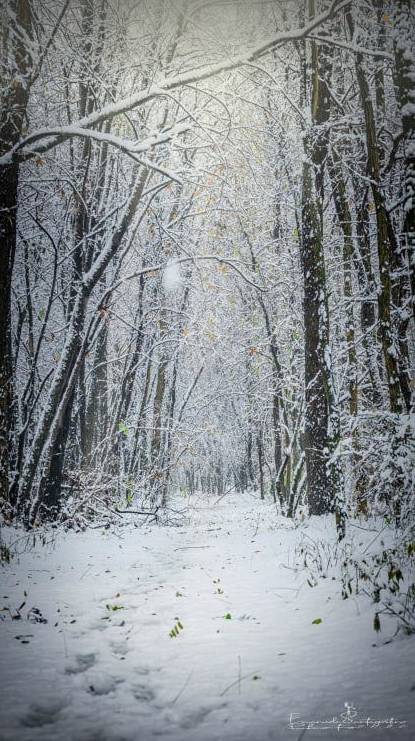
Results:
x,y
379,454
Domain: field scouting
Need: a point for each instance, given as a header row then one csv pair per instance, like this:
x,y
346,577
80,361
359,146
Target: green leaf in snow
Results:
x,y
122,427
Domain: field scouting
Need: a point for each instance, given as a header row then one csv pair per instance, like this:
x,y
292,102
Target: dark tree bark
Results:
x,y
404,33
260,452
15,95
368,292
386,243
318,391
345,220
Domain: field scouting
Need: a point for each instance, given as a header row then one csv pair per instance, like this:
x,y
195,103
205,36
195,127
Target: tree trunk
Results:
x,y
368,292
157,437
345,220
318,391
260,451
15,95
404,33
384,231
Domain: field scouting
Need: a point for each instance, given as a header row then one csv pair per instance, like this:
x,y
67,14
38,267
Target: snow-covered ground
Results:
x,y
247,655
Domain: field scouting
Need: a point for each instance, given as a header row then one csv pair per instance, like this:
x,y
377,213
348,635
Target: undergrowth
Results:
x,y
384,573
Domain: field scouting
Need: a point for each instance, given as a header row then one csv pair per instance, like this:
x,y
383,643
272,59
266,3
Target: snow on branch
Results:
x,y
52,136
131,148
353,48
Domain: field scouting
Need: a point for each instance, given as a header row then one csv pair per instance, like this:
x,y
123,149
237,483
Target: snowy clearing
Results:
x,y
246,655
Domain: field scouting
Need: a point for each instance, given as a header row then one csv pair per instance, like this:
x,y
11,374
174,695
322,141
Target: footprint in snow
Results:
x,y
119,648
198,716
143,692
102,624
44,713
101,684
81,664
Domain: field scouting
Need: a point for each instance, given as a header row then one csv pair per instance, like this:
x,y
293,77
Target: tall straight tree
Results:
x,y
16,24
386,244
404,47
318,432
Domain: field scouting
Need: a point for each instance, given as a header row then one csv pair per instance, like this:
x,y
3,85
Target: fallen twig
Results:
x,y
238,682
224,495
182,689
135,512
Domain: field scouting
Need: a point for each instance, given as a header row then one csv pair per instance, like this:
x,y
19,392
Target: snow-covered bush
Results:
x,y
377,562
379,451
387,576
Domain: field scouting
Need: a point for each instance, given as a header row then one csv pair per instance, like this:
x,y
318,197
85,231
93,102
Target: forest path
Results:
x,y
247,654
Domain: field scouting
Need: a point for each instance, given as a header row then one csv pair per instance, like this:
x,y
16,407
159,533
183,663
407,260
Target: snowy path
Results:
x,y
93,673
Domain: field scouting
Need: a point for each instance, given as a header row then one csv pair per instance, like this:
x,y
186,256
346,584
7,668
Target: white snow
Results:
x,y
95,673
171,277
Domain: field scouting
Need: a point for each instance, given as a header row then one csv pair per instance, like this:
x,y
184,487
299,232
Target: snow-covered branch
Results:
x,y
50,137
132,148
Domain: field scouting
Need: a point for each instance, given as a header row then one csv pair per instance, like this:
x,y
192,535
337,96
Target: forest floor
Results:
x,y
247,656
